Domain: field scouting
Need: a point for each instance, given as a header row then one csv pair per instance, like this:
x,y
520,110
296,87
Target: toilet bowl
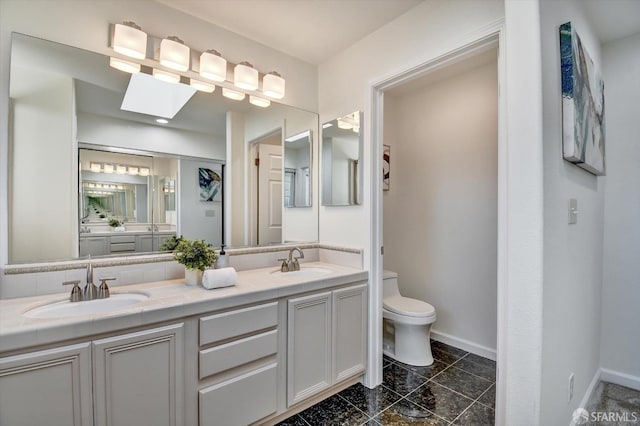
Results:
x,y
406,325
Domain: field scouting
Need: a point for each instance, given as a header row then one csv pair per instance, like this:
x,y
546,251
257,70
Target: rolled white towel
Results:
x,y
216,278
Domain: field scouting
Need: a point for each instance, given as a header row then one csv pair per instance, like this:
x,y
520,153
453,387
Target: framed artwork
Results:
x,y
386,166
583,125
210,184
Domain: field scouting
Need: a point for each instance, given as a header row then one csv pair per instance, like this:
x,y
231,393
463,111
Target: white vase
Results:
x,y
193,276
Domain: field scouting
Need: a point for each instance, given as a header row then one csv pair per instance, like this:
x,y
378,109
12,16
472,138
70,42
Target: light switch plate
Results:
x,y
573,211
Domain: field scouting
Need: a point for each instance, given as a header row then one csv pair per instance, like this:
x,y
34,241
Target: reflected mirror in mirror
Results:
x,y
341,159
63,98
297,170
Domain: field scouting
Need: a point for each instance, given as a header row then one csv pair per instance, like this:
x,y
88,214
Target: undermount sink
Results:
x,y
65,308
304,272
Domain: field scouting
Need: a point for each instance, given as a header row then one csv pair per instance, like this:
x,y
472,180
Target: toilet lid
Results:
x,y
407,306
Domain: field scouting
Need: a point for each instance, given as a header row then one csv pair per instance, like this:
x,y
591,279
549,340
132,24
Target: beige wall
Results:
x,y
440,214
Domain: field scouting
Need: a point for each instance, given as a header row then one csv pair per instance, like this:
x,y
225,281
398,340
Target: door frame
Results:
x,y
489,37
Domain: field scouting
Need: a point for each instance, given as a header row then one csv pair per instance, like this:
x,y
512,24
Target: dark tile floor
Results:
x,y
457,389
612,404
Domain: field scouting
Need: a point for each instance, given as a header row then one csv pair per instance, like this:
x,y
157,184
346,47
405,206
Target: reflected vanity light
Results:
x,y
245,76
344,125
95,167
166,76
133,170
122,65
144,171
232,94
260,102
175,54
120,169
202,86
108,168
273,85
213,66
129,40
162,120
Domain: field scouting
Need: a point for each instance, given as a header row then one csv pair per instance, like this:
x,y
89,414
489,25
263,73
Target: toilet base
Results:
x,y
409,344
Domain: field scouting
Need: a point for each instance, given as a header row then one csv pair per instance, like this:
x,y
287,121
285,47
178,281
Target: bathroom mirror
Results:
x,y
78,101
297,170
341,160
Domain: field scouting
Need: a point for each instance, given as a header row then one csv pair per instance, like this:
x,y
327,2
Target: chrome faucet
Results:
x,y
291,263
90,291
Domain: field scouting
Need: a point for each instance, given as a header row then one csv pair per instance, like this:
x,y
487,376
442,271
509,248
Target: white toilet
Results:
x,y
406,325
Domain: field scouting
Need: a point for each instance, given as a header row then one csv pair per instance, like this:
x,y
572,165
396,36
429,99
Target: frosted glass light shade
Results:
x,y
108,168
144,171
95,167
133,170
273,85
121,169
129,40
344,125
167,76
213,66
174,54
245,76
232,94
261,102
122,65
202,86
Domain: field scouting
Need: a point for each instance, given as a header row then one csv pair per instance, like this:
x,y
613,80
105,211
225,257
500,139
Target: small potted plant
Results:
x,y
116,225
171,243
196,256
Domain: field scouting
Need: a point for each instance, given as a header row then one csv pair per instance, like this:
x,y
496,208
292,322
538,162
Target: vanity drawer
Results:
x,y
117,239
236,323
119,247
255,391
238,352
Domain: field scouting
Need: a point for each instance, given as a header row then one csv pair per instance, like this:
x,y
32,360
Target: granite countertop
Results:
x,y
168,300
133,232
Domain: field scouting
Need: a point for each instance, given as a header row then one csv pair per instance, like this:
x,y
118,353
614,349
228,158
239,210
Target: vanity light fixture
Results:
x,y
108,168
260,102
120,169
122,65
144,171
202,86
356,129
245,76
175,54
95,167
232,94
133,170
162,120
166,76
213,66
344,125
129,40
273,85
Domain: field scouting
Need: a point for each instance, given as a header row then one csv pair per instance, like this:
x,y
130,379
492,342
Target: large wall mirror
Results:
x,y
341,160
86,140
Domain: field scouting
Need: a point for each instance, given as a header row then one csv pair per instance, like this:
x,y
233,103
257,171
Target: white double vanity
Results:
x,y
250,354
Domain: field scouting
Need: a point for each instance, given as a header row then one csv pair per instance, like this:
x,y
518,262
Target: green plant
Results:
x,y
114,223
102,216
196,254
171,243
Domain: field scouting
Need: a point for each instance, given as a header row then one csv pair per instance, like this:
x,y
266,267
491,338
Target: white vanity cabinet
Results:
x,y
49,387
325,340
139,378
94,246
238,366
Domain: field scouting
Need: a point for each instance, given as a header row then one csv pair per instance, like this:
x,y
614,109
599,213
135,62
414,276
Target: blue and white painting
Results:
x,y
210,184
583,129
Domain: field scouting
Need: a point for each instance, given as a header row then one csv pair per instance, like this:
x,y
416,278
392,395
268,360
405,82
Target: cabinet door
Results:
x,y
94,246
51,387
139,377
349,331
144,243
308,346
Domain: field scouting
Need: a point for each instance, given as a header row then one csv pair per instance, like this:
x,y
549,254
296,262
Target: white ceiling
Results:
x,y
311,30
613,19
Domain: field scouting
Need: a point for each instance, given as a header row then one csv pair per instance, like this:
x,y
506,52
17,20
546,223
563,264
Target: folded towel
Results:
x,y
216,278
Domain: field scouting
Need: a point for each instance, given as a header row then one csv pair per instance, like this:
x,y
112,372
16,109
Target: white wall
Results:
x,y
572,253
440,214
43,204
621,265
85,24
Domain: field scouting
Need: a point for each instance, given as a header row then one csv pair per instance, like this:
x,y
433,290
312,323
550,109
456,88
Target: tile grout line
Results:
x,y
471,405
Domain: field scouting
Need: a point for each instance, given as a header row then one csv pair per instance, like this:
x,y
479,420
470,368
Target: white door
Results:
x,y
270,194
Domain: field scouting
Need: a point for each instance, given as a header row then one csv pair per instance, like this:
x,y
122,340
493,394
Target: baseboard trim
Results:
x,y
618,378
463,344
588,393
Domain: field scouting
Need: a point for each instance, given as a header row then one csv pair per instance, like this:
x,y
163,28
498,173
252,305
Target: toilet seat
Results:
x,y
409,307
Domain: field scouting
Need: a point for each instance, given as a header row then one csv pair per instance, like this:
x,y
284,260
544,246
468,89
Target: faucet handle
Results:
x,y
103,290
285,265
76,292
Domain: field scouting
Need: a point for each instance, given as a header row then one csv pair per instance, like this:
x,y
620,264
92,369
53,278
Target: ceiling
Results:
x,y
311,30
613,19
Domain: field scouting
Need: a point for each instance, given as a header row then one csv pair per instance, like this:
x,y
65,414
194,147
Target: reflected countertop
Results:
x,y
168,300
134,232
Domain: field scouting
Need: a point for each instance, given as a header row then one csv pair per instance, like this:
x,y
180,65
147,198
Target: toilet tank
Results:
x,y
389,284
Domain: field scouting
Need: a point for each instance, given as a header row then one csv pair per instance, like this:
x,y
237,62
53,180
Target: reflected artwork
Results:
x,y
210,184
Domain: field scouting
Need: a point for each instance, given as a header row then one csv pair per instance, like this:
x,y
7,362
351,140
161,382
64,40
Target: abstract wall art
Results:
x,y
583,125
210,184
